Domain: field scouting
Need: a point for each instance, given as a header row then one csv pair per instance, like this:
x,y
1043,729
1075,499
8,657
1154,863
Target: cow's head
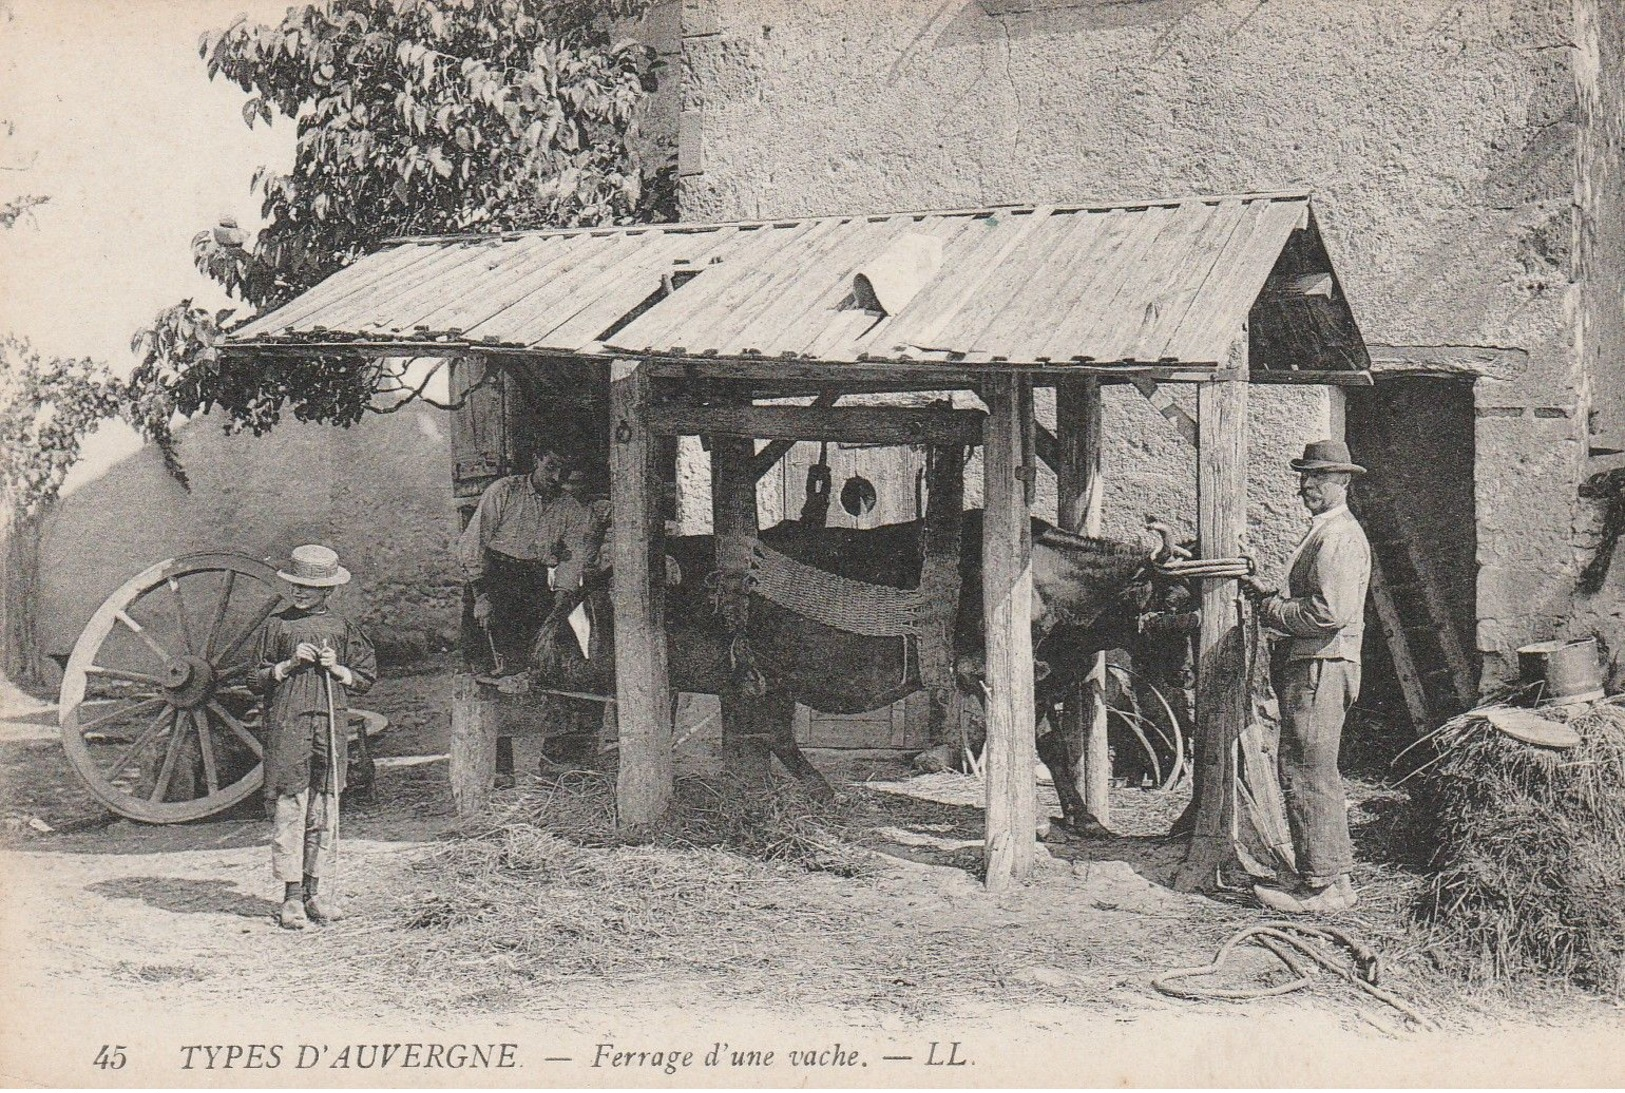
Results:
x,y
1076,578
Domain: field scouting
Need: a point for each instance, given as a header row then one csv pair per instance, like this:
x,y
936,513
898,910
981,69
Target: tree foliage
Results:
x,y
47,409
413,117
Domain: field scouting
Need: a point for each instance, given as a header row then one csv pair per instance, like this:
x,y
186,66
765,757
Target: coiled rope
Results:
x,y
1289,941
1207,567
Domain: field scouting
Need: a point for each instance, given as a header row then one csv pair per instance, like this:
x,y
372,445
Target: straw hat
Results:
x,y
1327,455
315,566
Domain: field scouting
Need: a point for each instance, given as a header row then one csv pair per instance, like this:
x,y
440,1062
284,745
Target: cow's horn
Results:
x,y
1170,549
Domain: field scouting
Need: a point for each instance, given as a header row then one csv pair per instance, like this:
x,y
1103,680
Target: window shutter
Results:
x,y
478,428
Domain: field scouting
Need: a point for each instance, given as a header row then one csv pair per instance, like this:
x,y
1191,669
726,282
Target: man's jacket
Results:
x,y
1323,608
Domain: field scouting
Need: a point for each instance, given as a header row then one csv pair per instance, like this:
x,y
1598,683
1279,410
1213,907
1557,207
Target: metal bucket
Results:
x,y
1566,671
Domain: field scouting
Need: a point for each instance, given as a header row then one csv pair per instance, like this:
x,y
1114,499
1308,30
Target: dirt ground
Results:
x,y
108,923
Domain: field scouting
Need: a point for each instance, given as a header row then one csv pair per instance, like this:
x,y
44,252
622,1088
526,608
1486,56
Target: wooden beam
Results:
x,y
852,424
790,376
1221,662
1010,847
1307,377
1045,445
766,459
940,579
822,373
384,348
1080,493
735,522
941,375
643,789
799,375
1392,624
1168,408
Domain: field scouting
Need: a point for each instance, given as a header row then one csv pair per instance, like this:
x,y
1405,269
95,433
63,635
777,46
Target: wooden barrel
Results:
x,y
1567,671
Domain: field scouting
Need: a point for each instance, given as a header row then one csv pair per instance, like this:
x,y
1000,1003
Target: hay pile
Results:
x,y
768,899
546,890
780,825
1529,848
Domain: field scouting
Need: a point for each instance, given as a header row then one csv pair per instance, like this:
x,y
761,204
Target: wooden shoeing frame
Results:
x,y
1010,438
647,400
1009,468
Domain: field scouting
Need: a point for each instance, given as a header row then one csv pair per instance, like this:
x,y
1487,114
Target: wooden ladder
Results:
x,y
1433,668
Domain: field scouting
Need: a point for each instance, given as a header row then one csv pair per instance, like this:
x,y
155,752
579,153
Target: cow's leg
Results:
x,y
1056,753
775,714
945,730
1060,750
746,754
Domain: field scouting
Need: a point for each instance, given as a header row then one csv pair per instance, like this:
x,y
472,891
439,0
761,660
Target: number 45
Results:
x,y
110,1057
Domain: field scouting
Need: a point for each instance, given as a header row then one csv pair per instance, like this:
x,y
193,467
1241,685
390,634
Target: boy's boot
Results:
x,y
292,915
321,908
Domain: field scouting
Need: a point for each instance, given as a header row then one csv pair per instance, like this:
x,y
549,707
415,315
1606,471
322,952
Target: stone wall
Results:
x,y
1599,267
1438,138
379,493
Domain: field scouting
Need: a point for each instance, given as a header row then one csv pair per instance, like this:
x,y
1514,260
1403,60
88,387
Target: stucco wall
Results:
x,y
379,493
1438,138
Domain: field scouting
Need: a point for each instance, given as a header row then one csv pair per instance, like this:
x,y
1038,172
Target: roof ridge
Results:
x,y
1101,205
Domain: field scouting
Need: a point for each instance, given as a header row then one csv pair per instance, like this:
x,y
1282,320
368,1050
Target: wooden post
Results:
x,y
1080,494
734,523
478,751
643,790
473,750
1221,663
1007,594
939,575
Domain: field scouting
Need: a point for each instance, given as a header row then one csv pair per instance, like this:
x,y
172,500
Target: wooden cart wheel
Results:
x,y
156,716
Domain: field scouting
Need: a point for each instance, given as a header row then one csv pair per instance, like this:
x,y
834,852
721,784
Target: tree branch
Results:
x,y
417,393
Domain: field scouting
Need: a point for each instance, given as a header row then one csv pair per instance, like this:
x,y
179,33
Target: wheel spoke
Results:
x,y
181,621
148,735
171,753
237,727
211,774
140,709
242,639
146,639
219,614
120,673
234,672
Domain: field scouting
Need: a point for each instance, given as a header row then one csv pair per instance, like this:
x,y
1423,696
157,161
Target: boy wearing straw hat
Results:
x,y
311,660
1316,672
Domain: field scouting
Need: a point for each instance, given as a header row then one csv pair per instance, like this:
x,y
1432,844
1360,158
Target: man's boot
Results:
x,y
1306,899
292,915
321,908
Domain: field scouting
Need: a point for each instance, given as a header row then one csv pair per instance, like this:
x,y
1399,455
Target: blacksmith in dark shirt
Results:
x,y
311,660
529,537
532,536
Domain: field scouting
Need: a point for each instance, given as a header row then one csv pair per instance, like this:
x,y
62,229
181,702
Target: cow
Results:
x,y
1081,587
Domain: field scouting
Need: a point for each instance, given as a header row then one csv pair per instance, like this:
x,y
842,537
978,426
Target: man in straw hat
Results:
x,y
1316,672
311,660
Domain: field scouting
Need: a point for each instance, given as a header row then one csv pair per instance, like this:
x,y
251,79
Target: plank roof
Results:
x,y
1149,283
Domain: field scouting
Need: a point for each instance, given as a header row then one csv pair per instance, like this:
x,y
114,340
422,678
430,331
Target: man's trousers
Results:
x,y
305,835
1315,697
305,825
